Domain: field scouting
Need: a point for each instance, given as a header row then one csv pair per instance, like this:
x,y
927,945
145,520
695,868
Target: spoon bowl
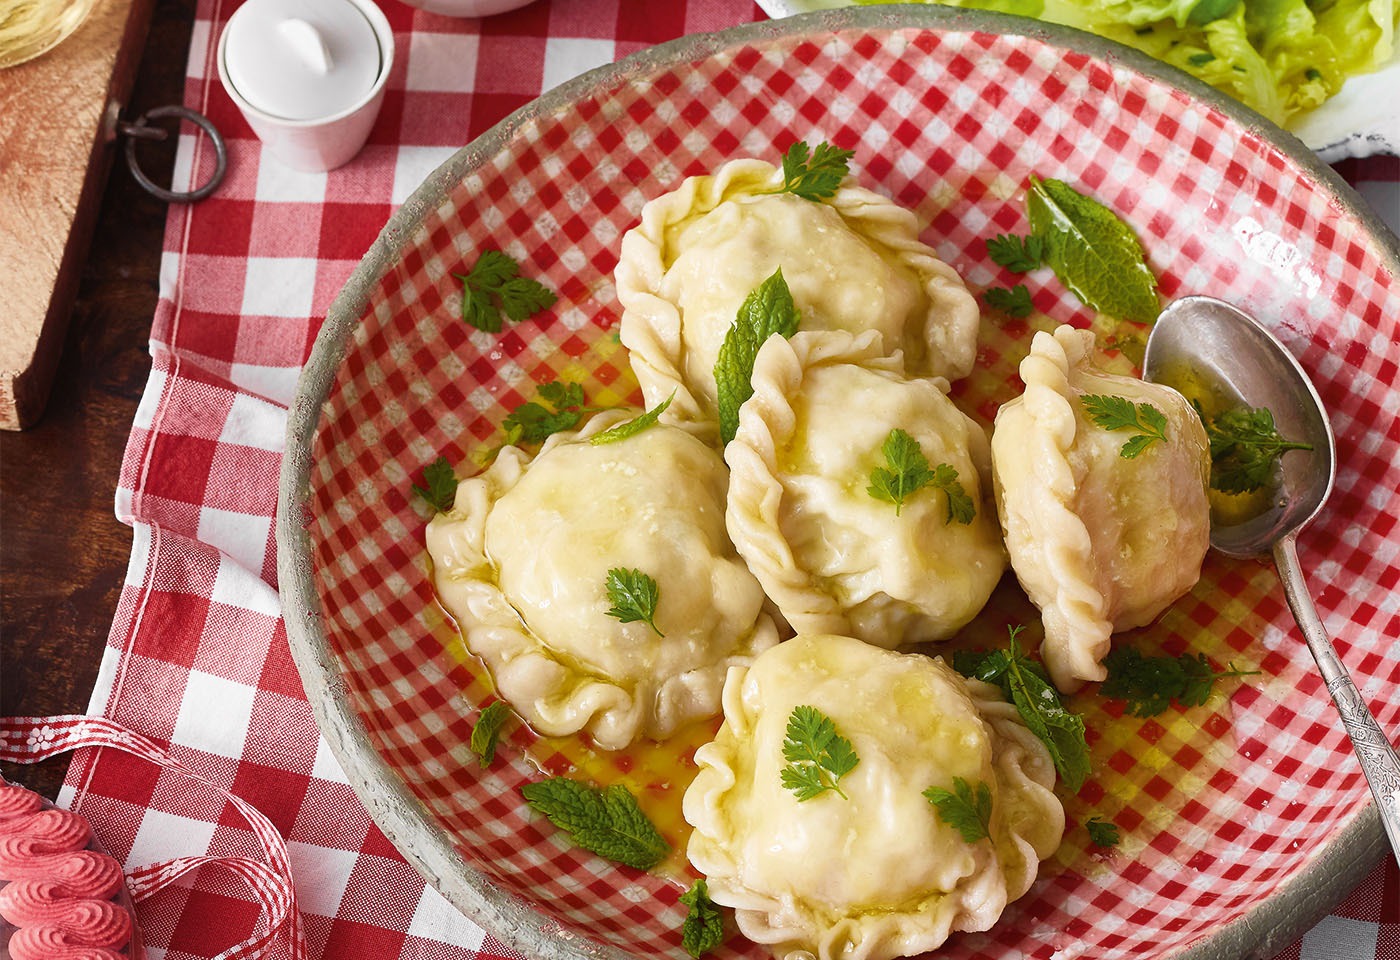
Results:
x,y
1201,345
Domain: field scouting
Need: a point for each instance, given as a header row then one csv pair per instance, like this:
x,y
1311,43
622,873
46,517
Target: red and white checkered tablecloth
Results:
x,y
197,661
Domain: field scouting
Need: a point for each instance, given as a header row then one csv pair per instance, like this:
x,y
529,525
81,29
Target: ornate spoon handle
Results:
x,y
1378,758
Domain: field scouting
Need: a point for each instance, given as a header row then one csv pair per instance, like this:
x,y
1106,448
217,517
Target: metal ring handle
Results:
x,y
141,130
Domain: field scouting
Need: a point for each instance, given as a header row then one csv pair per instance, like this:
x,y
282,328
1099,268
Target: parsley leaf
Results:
x,y
1014,302
766,311
1120,413
441,489
1092,251
1150,684
633,596
607,822
494,285
1025,684
818,757
1244,448
703,929
634,426
532,422
1102,833
1017,254
814,174
487,731
966,810
906,470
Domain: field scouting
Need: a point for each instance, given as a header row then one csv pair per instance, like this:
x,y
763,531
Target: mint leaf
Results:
x,y
814,175
607,822
633,596
1014,302
494,285
487,731
768,310
818,757
441,489
1025,684
1017,254
966,810
703,929
1093,252
634,426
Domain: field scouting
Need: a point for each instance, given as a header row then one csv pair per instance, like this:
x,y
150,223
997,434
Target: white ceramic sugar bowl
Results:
x,y
308,75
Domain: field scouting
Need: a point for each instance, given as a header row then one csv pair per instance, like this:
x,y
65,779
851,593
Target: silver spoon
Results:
x,y
1227,348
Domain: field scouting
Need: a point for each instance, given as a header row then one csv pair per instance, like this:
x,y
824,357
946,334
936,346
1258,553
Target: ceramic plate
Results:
x,y
1243,820
1362,119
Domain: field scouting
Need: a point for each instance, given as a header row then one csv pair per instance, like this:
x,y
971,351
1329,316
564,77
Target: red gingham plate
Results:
x,y
1243,820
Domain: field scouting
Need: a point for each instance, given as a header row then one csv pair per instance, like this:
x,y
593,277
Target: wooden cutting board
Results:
x,y
57,117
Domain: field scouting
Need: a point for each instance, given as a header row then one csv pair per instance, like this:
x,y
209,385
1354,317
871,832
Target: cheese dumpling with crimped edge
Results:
x,y
1100,542
522,564
852,261
874,872
833,557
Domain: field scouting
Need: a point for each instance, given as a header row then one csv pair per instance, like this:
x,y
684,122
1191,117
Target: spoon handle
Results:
x,y
1378,758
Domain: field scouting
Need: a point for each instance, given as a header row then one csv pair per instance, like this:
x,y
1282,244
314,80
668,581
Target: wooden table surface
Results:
x,y
63,553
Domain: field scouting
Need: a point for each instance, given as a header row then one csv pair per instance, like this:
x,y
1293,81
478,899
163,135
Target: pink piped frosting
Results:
x,y
53,889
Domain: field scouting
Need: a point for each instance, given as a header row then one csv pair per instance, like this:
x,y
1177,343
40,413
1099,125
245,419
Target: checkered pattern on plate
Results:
x,y
1219,804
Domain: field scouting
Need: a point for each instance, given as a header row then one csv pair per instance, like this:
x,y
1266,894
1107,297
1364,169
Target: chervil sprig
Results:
x,y
814,174
1120,413
1013,301
441,489
1245,447
1017,254
818,757
633,595
562,408
494,286
965,808
1150,684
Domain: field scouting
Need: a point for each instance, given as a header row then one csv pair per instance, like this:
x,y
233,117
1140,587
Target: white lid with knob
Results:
x,y
302,59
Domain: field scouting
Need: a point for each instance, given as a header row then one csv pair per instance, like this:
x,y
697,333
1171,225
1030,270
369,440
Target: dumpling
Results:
x,y
830,555
853,262
875,873
522,563
1099,541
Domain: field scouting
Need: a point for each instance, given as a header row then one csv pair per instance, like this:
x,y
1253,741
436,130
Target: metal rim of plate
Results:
x,y
1257,935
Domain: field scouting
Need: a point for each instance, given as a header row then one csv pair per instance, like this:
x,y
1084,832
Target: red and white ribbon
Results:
x,y
31,739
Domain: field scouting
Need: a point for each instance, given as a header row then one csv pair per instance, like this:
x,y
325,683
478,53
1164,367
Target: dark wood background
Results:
x,y
63,553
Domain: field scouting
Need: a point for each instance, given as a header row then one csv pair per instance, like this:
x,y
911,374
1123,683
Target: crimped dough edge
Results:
x,y
651,325
552,695
794,930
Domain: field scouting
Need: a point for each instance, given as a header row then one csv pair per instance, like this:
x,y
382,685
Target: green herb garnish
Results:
x,y
634,426
487,731
814,174
1120,413
965,809
607,822
441,489
532,422
493,286
1092,251
703,929
1245,447
1017,254
1025,684
1012,301
1150,684
907,471
818,757
1102,833
768,310
633,596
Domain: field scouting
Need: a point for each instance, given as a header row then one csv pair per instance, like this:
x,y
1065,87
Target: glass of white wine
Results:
x,y
31,27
